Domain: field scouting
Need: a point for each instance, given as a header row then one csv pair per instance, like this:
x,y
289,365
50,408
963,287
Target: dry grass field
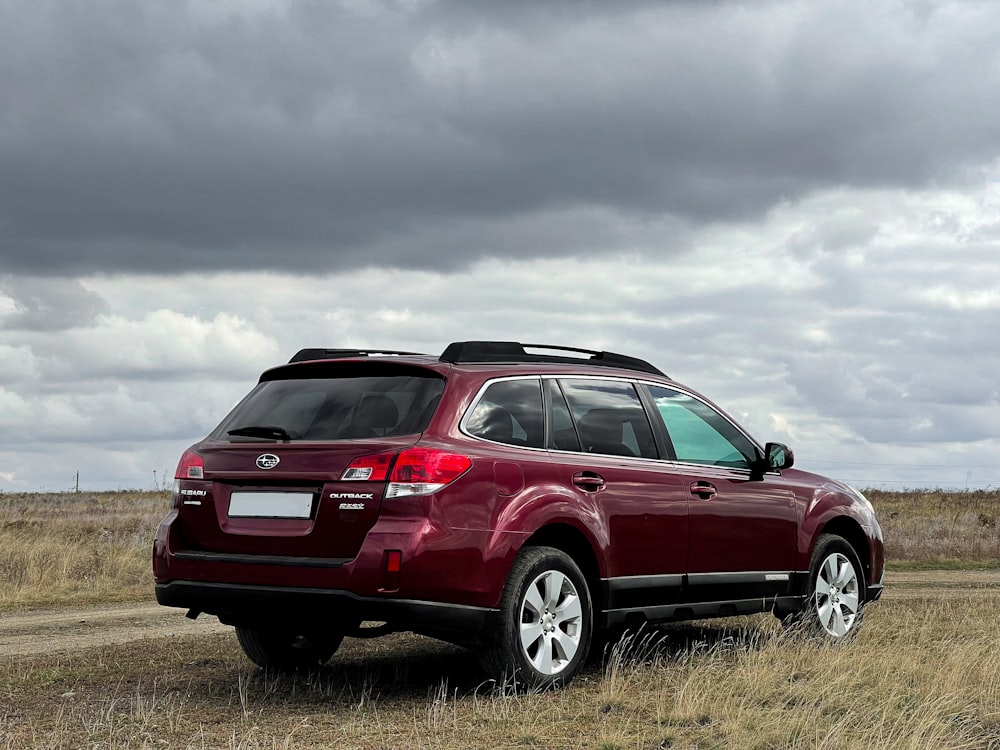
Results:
x,y
922,672
938,529
77,548
93,548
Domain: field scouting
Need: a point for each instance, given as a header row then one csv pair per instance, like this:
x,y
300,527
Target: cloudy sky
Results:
x,y
792,206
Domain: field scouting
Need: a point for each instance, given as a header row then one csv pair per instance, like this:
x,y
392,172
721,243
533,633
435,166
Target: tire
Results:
x,y
545,626
833,606
286,651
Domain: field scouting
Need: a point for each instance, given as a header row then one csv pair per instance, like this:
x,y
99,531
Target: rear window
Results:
x,y
353,404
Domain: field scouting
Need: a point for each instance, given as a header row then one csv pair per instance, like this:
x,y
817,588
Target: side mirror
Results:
x,y
778,456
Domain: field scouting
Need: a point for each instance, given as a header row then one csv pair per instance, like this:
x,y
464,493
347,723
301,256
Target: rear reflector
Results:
x,y
393,560
393,565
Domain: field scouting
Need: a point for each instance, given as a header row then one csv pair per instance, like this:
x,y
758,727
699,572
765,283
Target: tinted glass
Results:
x,y
509,412
609,418
562,432
338,408
699,434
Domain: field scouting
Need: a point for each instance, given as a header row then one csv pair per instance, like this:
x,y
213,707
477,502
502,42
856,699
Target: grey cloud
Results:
x,y
876,380
308,136
931,426
160,347
841,233
952,386
42,304
786,205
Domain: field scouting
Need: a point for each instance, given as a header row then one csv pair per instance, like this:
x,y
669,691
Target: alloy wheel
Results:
x,y
551,622
837,595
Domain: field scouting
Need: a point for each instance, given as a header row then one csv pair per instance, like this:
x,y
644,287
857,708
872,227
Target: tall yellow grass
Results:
x,y
920,674
77,548
937,529
88,548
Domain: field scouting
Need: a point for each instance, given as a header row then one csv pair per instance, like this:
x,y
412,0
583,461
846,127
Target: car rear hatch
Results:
x,y
275,479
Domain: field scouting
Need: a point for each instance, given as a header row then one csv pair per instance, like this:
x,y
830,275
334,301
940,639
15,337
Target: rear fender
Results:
x,y
536,512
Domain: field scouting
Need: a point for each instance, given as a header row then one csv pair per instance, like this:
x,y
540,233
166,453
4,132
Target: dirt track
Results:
x,y
70,630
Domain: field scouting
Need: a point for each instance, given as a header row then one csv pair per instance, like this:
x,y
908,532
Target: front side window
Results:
x,y
609,418
510,411
700,435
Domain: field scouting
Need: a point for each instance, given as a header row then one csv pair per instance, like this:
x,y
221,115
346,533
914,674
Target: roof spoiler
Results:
x,y
307,355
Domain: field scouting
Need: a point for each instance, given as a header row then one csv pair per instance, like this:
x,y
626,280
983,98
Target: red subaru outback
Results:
x,y
513,498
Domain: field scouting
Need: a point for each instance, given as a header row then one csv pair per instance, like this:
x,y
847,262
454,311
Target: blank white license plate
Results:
x,y
270,504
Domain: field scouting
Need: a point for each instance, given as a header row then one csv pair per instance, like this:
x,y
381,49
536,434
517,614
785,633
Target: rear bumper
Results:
x,y
236,604
435,564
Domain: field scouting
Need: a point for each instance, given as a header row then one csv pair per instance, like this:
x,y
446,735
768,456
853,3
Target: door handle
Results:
x,y
588,480
704,490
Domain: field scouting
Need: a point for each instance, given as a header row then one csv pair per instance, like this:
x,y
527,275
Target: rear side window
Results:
x,y
351,406
562,433
609,418
510,411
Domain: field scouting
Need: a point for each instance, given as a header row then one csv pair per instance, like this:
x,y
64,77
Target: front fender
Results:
x,y
837,509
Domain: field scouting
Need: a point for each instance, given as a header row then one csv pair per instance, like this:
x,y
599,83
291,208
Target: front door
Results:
x,y
741,531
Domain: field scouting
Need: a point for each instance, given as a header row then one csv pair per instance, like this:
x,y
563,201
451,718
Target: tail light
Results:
x,y
416,471
421,471
191,466
373,468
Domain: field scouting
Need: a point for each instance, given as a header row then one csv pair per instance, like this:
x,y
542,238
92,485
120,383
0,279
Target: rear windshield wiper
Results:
x,y
261,431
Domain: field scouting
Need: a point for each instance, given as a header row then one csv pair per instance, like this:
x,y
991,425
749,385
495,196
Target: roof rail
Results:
x,y
305,355
513,351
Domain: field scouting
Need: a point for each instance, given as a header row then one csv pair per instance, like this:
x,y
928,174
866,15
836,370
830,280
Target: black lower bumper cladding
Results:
x,y
237,604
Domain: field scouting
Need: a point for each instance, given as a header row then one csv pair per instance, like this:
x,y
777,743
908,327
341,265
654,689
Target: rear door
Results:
x,y
607,450
284,496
